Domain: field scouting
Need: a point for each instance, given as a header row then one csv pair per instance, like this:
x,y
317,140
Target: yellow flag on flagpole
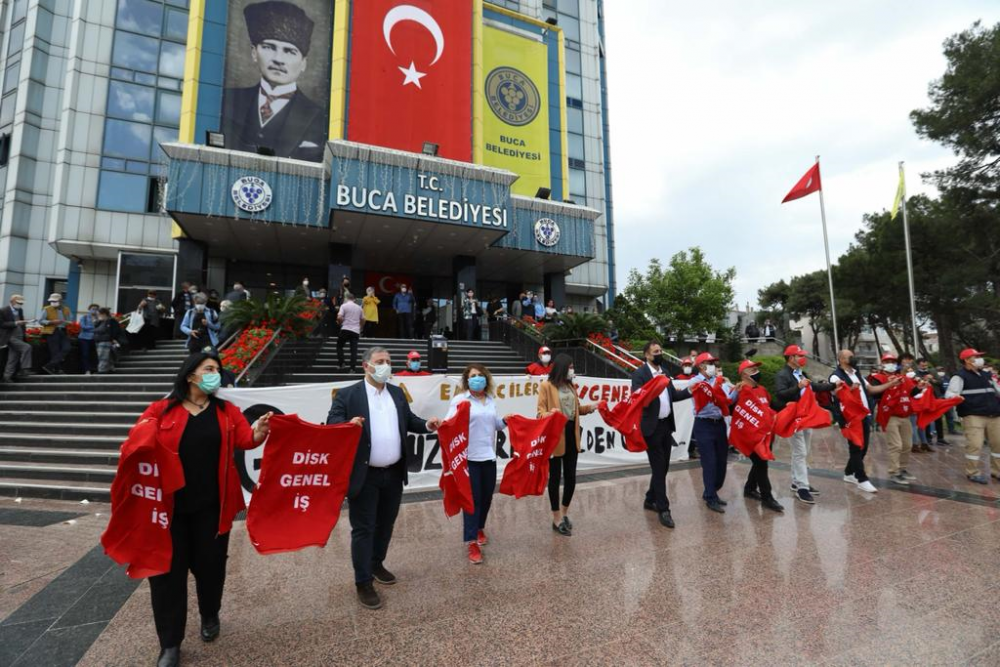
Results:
x,y
900,193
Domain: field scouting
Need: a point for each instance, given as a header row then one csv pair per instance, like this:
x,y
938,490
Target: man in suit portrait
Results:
x,y
380,470
275,113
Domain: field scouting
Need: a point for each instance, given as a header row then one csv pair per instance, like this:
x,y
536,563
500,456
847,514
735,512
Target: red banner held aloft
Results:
x,y
710,391
800,415
304,477
854,412
626,415
929,408
753,423
411,75
453,438
532,442
896,401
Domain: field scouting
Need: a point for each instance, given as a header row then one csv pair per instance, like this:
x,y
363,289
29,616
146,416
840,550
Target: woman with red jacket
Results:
x,y
204,431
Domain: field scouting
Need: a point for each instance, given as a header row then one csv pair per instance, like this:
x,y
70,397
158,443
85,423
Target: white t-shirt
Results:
x,y
383,421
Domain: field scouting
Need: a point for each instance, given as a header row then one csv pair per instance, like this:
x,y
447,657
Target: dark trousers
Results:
x,y
88,356
58,343
757,479
373,513
343,338
405,325
483,478
658,446
713,448
470,328
198,548
369,329
147,336
564,467
856,455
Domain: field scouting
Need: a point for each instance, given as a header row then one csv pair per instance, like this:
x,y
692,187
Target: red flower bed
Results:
x,y
617,359
238,356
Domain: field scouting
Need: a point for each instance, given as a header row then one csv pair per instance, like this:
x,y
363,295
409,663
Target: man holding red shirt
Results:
x,y
544,363
894,410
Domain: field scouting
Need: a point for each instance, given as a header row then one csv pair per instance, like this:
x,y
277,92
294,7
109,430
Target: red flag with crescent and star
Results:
x,y
410,77
807,185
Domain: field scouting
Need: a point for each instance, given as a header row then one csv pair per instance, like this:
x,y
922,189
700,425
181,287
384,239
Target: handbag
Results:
x,y
136,322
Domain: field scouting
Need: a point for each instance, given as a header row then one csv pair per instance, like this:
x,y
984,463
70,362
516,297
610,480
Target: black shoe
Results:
x,y
716,506
569,524
7,379
666,520
169,657
210,629
24,373
805,497
751,493
942,441
562,529
368,596
50,371
383,576
722,502
647,505
772,504
813,490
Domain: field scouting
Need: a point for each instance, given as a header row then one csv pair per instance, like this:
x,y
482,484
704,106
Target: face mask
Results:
x,y
978,362
710,371
687,370
911,375
852,363
940,374
305,283
545,358
193,291
890,368
477,383
657,359
322,295
571,375
403,290
414,366
210,383
802,361
199,307
381,373
755,377
93,311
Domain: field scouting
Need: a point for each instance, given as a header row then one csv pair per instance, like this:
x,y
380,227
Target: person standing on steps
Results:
x,y
201,325
980,412
88,351
13,334
107,331
380,471
369,306
54,319
558,393
351,318
657,424
404,303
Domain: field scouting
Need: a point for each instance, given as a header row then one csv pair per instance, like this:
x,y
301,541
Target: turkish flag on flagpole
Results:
x,y
807,185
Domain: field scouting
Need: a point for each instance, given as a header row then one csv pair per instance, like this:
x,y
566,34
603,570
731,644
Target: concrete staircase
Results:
x,y
60,434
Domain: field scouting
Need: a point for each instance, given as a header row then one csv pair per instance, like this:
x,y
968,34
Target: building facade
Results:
x,y
95,207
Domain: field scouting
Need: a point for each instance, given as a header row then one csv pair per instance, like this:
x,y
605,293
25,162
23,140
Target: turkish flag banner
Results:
x,y
929,408
896,401
532,442
411,75
807,185
711,391
854,412
304,477
453,437
800,415
753,423
142,503
625,416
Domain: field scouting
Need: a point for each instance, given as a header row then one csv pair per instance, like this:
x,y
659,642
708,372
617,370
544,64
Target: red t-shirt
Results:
x,y
532,442
304,477
538,369
411,374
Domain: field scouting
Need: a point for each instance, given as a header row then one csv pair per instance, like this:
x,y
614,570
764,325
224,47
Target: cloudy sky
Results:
x,y
717,109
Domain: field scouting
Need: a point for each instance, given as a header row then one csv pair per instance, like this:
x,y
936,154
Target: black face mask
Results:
x,y
756,378
657,359
852,362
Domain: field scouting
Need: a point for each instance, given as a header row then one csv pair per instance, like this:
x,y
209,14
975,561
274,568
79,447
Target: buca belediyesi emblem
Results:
x,y
512,96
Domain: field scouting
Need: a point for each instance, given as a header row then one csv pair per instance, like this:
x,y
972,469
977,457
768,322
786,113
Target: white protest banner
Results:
x,y
430,395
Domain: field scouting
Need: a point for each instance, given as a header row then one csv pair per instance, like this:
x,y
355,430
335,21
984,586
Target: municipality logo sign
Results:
x,y
251,194
547,232
512,96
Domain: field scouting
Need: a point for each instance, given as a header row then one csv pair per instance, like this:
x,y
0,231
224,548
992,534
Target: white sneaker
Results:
x,y
683,457
867,486
850,479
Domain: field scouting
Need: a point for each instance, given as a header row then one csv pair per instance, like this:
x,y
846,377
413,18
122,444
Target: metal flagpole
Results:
x,y
909,267
829,269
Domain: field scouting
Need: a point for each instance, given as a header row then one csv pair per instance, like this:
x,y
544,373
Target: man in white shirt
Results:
x,y
380,471
350,317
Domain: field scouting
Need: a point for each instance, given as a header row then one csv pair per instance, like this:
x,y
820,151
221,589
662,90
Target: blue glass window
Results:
x,y
574,120
574,86
129,101
122,192
135,52
16,38
571,7
168,108
128,140
571,27
578,182
172,60
573,64
142,16
177,25
576,146
11,76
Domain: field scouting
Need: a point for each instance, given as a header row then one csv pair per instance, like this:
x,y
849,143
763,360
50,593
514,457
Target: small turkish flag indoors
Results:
x,y
753,423
854,412
929,408
453,438
625,416
800,415
532,442
807,185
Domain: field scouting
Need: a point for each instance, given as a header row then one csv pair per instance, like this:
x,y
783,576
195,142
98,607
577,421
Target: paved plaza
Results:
x,y
902,577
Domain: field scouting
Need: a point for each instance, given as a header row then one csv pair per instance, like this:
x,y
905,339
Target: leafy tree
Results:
x,y
632,323
965,111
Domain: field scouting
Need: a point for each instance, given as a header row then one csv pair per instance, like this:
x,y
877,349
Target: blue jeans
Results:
x,y
919,434
483,477
713,448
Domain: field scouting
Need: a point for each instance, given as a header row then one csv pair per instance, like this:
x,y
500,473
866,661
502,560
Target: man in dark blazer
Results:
x,y
657,425
379,473
275,113
12,336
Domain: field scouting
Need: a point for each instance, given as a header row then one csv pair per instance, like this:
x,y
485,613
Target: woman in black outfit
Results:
x,y
204,431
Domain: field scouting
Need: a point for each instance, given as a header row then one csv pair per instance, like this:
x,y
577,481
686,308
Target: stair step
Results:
x,y
55,430
119,376
92,457
42,440
83,396
95,388
63,472
87,403
93,491
69,416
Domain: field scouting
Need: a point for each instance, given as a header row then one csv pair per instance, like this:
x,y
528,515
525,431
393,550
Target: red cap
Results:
x,y
746,363
704,358
544,348
889,356
794,351
413,355
970,352
687,361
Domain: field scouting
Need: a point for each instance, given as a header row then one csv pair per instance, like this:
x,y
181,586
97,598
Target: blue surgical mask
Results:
x,y
477,383
414,366
210,383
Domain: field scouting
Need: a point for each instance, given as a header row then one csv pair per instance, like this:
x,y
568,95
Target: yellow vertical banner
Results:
x,y
516,114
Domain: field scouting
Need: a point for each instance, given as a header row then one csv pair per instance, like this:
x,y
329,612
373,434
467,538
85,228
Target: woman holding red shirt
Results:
x,y
204,431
